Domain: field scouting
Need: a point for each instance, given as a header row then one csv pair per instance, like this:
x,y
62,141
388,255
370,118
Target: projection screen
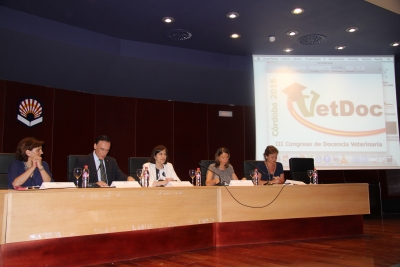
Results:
x,y
339,110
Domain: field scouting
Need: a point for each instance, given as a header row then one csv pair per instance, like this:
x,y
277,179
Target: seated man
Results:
x,y
102,175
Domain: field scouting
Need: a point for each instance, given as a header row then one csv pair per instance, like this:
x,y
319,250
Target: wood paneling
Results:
x,y
15,131
238,233
300,201
85,250
109,224
154,126
249,133
77,212
227,132
190,137
115,117
2,111
73,129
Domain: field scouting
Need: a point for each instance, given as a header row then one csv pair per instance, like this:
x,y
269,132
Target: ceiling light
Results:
x,y
297,11
352,29
291,33
232,15
340,47
235,35
287,50
395,44
168,19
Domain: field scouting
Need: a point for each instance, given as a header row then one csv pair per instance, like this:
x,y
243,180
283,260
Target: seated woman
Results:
x,y
160,169
28,170
270,170
220,172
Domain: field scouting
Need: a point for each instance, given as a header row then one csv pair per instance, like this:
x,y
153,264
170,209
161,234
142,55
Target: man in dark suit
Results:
x,y
104,175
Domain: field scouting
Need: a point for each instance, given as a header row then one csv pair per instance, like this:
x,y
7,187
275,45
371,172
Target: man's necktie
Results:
x,y
102,172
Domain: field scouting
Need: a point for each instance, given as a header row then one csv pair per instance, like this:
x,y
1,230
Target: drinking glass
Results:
x,y
192,174
77,173
310,173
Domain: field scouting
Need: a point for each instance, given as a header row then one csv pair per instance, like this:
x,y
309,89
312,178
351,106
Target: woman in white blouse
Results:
x,y
160,169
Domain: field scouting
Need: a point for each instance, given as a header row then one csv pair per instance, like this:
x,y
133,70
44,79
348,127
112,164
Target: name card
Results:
x,y
293,182
241,183
125,184
179,184
54,185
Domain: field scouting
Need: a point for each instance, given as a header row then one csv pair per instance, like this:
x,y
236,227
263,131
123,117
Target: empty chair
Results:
x,y
5,160
135,163
249,165
298,168
204,168
70,167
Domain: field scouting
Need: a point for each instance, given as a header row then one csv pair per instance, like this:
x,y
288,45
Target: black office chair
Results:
x,y
70,166
135,163
5,160
298,168
249,165
205,163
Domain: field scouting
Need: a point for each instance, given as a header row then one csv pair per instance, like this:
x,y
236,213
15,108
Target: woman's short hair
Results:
x,y
270,150
219,152
25,144
157,150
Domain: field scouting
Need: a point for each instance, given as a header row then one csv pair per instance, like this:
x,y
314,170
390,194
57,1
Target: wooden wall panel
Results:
x,y
2,110
15,131
115,117
154,126
73,128
249,133
190,137
227,132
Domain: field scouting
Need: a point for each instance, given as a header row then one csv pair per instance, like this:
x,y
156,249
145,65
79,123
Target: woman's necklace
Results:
x,y
26,167
271,174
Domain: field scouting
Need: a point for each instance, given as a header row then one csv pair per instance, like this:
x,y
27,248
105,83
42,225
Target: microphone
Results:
x,y
220,182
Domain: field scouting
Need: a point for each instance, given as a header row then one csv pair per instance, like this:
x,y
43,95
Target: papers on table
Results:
x,y
125,184
241,183
293,182
49,185
178,184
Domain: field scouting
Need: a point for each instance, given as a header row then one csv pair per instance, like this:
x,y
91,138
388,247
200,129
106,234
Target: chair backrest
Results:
x,y
249,165
298,168
5,160
205,163
70,163
135,163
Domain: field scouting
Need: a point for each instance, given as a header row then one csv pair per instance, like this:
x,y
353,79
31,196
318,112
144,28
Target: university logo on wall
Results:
x,y
30,112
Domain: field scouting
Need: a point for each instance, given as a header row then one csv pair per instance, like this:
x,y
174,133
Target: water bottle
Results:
x,y
315,176
85,176
145,177
198,177
255,179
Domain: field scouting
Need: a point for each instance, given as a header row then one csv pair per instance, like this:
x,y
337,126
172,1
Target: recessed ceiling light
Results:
x,y
297,11
291,33
168,19
287,50
395,44
232,15
340,47
352,29
235,35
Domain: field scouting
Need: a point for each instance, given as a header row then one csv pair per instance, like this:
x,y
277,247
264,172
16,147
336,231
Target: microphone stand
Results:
x,y
268,182
220,181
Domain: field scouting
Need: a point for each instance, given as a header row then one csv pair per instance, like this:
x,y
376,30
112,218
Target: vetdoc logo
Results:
x,y
30,112
335,109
